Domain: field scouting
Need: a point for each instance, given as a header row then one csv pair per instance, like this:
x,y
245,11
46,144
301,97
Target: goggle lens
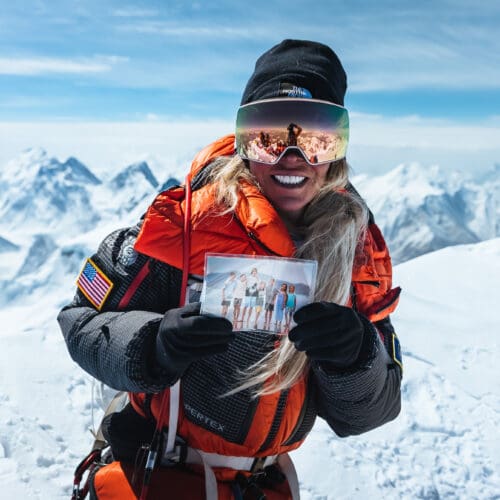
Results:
x,y
266,130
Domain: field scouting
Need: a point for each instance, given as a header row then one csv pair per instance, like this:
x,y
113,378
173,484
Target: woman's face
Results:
x,y
290,184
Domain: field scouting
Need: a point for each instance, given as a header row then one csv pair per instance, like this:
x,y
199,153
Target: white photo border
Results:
x,y
241,289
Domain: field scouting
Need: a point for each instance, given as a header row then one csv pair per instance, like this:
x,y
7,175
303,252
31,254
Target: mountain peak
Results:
x,y
171,181
130,174
79,172
26,164
408,182
416,172
35,154
34,165
40,192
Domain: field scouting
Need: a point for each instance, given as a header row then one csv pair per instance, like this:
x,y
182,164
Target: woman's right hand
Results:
x,y
185,336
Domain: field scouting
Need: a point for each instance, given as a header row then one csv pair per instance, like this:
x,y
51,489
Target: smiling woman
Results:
x,y
200,395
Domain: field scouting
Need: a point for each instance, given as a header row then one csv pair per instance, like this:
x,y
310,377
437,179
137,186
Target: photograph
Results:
x,y
257,293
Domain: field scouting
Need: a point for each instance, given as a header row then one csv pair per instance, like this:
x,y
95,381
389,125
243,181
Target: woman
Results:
x,y
261,297
243,399
291,305
281,300
238,296
227,293
271,292
251,294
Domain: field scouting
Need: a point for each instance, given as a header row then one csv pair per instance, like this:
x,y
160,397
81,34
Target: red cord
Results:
x,y
186,250
162,417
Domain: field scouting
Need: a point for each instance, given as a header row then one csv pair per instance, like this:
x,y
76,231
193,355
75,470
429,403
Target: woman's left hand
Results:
x,y
328,333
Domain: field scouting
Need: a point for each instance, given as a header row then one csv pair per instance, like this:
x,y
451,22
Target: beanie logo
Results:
x,y
290,90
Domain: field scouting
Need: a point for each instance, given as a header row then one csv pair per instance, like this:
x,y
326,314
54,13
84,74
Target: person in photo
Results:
x,y
227,293
279,308
238,297
271,292
251,294
261,297
290,306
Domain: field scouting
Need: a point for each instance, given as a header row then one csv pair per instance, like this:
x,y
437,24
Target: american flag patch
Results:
x,y
94,284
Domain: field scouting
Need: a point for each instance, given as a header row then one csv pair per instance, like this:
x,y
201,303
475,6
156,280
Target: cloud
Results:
x,y
53,65
134,12
29,102
168,29
420,65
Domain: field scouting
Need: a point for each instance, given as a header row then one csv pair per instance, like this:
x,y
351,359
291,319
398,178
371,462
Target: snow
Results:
x,y
443,445
445,442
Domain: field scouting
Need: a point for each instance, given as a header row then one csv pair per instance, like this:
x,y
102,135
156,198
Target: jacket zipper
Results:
x,y
275,424
254,238
300,420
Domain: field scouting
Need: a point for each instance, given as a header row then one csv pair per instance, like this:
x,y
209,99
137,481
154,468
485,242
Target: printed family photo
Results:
x,y
257,293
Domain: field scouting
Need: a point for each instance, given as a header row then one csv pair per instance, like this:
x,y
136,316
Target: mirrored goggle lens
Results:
x,y
265,130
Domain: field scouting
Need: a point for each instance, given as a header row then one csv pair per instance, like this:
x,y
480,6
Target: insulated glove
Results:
x,y
185,336
330,334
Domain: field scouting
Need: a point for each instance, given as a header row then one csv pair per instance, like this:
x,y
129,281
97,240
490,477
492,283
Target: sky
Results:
x,y
414,69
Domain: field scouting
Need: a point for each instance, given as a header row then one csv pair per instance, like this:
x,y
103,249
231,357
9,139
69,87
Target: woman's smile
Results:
x,y
290,184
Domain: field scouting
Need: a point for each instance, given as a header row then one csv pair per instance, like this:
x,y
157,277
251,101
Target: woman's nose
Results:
x,y
292,158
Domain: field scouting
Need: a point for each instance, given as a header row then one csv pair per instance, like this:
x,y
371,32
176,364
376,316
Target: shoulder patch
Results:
x,y
127,255
94,284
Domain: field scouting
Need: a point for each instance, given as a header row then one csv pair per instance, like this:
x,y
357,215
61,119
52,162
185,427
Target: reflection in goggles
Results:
x,y
266,129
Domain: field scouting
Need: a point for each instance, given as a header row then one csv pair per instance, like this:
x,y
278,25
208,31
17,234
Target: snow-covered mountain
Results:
x,y
53,209
42,194
134,185
421,209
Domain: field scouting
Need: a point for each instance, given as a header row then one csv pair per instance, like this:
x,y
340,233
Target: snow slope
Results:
x,y
444,444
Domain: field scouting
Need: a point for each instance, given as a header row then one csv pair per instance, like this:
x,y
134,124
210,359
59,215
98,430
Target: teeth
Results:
x,y
289,179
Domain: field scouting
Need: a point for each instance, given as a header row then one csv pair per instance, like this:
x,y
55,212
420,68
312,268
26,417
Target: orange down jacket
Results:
x,y
255,229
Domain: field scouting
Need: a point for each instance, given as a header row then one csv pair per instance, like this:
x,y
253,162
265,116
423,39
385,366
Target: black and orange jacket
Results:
x,y
116,344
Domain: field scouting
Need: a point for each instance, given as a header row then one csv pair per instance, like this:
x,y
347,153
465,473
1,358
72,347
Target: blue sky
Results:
x,y
115,61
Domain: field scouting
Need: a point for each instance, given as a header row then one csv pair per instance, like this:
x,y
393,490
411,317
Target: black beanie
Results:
x,y
297,68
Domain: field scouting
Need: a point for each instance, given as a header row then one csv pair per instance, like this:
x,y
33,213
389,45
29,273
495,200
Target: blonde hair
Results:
x,y
332,226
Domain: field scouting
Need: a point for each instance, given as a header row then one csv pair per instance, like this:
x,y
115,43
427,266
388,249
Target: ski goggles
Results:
x,y
267,129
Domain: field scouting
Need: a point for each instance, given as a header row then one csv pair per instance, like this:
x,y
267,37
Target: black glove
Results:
x,y
330,334
185,335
